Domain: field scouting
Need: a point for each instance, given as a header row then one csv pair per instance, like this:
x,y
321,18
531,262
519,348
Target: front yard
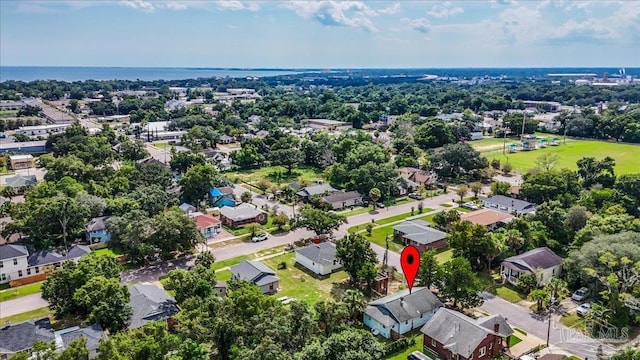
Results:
x,y
20,291
34,314
509,293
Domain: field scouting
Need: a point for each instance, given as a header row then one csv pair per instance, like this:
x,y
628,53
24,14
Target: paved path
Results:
x,y
559,335
22,304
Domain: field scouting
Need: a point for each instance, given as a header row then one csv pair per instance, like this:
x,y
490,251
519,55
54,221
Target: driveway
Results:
x,y
260,200
22,304
560,336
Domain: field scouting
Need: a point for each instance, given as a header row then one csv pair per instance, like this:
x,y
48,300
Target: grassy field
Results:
x,y
236,260
507,292
162,145
277,175
624,154
20,291
355,211
297,283
33,314
8,113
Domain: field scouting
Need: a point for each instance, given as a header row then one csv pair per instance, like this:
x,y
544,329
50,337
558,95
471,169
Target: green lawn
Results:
x,y
277,174
507,292
33,314
20,291
355,211
416,347
444,255
8,113
513,340
624,154
446,205
572,320
162,145
109,251
299,284
520,331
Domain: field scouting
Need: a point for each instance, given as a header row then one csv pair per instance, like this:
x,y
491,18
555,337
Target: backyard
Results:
x,y
572,151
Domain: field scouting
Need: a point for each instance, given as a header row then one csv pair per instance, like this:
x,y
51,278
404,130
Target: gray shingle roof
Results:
x,y
240,212
419,231
460,333
342,196
402,306
44,257
92,333
98,223
21,336
323,253
254,272
316,190
78,251
150,303
541,257
21,180
8,251
502,200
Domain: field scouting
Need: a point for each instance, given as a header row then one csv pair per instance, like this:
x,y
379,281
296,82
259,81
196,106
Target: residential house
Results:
x,y
396,314
308,192
417,176
508,205
19,162
450,335
258,274
30,147
327,124
93,334
543,263
97,230
419,234
225,139
341,200
150,303
222,196
13,259
77,251
242,214
319,258
15,338
19,182
490,218
208,225
187,208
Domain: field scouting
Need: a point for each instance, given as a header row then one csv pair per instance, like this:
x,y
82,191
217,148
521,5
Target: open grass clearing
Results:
x,y
572,320
20,291
625,155
33,314
162,145
507,292
297,283
277,175
236,260
109,251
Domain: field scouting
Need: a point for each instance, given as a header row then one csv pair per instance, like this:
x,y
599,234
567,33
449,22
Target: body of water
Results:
x,y
63,73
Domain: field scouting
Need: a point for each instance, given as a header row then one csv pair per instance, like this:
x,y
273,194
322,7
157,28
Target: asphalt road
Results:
x,y
22,304
559,335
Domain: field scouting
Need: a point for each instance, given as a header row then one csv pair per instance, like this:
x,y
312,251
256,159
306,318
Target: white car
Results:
x,y
582,309
258,238
581,294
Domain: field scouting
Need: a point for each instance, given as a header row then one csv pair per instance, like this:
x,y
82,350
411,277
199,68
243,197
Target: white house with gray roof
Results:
x,y
308,192
319,258
542,262
258,274
150,303
420,234
509,205
16,263
13,258
341,200
398,313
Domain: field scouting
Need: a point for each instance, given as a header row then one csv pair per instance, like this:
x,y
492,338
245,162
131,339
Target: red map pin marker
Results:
x,y
410,261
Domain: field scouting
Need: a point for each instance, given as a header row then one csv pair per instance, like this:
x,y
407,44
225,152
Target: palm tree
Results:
x,y
539,296
355,303
557,288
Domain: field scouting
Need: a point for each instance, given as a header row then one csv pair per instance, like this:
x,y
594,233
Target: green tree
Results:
x,y
175,231
507,168
206,259
460,284
541,297
374,195
457,160
474,243
475,188
254,228
432,134
187,284
197,182
104,301
547,161
133,150
355,254
527,283
245,197
594,171
280,220
319,221
150,342
75,350
628,353
183,160
461,191
352,344
355,302
430,271
557,288
288,157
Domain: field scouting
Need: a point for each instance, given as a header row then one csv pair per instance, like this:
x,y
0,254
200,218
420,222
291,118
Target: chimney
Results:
x,y
496,327
402,301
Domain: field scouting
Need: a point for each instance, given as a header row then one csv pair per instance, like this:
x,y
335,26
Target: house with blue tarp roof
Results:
x,y
222,196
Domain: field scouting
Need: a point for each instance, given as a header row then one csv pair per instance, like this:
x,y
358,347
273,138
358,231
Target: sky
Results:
x,y
320,34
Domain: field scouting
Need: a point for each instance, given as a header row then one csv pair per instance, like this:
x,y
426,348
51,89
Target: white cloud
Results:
x,y
420,25
445,10
237,5
391,9
354,14
177,5
139,4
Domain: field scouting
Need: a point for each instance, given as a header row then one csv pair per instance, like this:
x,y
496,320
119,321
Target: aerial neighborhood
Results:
x,y
264,217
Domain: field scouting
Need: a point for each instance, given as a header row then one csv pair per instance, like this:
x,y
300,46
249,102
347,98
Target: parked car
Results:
x,y
260,237
470,206
581,294
582,309
417,355
415,196
380,205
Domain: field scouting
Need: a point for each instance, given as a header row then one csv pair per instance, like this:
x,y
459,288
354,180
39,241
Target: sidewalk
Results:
x,y
528,344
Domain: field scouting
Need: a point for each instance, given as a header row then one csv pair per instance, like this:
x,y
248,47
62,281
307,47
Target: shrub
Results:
x,y
398,346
